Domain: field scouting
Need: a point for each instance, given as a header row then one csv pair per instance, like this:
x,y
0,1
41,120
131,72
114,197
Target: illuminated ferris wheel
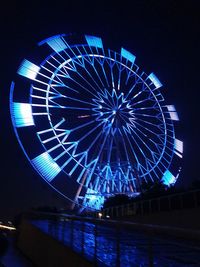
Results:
x,y
91,123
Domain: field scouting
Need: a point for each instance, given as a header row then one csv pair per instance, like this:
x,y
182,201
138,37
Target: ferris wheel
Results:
x,y
91,123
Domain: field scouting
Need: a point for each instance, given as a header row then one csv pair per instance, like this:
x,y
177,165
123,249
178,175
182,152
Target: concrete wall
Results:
x,y
45,251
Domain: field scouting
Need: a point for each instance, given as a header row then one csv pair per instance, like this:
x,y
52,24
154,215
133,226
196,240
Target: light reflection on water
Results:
x,y
122,248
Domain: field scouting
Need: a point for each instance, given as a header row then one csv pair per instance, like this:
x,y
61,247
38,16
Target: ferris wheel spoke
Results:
x,y
130,73
94,141
135,130
133,104
143,107
63,86
139,165
72,51
143,90
103,143
156,144
82,125
158,125
147,115
110,144
77,83
99,77
56,105
89,74
56,60
145,128
83,87
125,149
104,74
79,100
130,145
138,146
90,85
111,78
133,87
88,133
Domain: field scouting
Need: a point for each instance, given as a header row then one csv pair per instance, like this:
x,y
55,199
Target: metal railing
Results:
x,y
178,201
105,237
95,239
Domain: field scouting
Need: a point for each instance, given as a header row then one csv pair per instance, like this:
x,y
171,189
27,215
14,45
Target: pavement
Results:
x,y
13,256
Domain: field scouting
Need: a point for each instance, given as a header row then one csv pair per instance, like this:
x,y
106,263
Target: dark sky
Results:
x,y
164,35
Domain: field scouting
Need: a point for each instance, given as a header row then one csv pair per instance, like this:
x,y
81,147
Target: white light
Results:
x,y
22,114
178,145
171,108
174,116
172,112
100,215
7,227
28,69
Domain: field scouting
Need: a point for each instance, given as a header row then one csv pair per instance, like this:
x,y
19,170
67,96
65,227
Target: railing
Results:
x,y
179,201
110,242
101,242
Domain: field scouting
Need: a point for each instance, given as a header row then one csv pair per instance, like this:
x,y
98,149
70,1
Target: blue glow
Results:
x,y
126,54
22,114
94,41
28,69
155,80
168,178
46,166
56,43
94,200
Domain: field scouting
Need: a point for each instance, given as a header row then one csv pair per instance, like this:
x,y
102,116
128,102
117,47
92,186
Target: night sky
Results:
x,y
164,36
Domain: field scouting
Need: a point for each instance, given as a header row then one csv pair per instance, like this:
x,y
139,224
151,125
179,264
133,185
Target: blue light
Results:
x,y
56,43
94,200
155,80
94,41
168,178
126,54
46,166
22,114
28,69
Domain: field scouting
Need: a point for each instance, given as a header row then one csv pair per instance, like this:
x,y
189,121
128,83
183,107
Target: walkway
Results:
x,y
14,258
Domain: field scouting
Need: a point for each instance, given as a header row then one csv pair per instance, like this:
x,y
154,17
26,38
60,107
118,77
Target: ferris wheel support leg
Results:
x,y
78,192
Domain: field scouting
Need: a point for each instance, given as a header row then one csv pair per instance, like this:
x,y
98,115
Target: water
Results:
x,y
107,246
